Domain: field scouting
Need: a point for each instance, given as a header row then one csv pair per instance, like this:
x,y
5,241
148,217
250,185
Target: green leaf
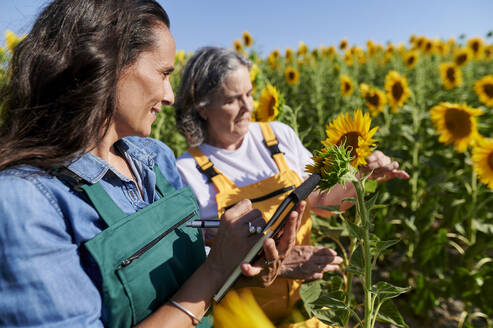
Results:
x,y
331,208
384,290
355,230
370,186
353,269
389,313
370,203
357,258
332,317
310,291
334,300
382,245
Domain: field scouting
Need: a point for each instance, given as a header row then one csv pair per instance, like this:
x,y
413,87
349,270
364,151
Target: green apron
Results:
x,y
144,257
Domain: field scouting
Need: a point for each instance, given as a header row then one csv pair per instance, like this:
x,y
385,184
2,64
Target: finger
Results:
x,y
288,237
250,270
236,212
270,250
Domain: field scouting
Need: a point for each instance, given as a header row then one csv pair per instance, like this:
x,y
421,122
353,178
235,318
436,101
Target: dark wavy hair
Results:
x,y
60,96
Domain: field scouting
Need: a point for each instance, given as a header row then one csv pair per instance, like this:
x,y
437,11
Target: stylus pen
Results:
x,y
203,224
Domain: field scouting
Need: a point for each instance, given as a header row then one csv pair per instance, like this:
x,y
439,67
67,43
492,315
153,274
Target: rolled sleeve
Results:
x,y
42,282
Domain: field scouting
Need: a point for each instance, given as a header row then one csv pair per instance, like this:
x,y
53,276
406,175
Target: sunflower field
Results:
x,y
430,106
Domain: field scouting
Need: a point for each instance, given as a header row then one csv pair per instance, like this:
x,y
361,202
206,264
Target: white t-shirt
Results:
x,y
250,163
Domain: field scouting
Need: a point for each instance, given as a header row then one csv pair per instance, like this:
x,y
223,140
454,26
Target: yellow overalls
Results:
x,y
278,299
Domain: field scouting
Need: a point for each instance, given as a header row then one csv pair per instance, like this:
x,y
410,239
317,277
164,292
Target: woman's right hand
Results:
x,y
233,241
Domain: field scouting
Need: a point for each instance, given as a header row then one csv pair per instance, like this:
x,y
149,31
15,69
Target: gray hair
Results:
x,y
202,77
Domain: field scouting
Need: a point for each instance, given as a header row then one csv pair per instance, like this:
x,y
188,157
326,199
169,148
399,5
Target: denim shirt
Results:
x,y
46,279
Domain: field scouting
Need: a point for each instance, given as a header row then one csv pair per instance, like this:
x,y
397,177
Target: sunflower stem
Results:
x,y
363,212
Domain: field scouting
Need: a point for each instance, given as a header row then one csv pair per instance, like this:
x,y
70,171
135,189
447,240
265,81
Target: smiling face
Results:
x,y
144,87
228,115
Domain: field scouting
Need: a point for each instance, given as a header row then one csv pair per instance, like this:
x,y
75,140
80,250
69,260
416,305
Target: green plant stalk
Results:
x,y
363,212
472,213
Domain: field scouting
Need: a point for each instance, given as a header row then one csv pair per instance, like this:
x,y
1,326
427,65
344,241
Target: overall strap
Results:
x,y
272,144
104,204
205,166
162,184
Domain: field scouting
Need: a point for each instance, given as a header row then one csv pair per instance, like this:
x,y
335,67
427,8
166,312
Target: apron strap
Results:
x,y
103,203
162,184
272,144
205,166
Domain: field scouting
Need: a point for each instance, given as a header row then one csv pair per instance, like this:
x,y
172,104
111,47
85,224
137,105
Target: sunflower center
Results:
x,y
291,75
351,140
397,90
490,161
461,59
373,99
451,74
410,60
458,123
347,86
488,89
475,46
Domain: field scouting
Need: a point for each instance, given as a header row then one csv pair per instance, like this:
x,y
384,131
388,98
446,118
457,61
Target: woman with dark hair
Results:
x,y
93,213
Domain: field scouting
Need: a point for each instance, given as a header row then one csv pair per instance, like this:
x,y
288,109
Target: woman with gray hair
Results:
x,y
232,158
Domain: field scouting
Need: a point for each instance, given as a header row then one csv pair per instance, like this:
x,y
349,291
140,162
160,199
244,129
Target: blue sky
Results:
x,y
283,23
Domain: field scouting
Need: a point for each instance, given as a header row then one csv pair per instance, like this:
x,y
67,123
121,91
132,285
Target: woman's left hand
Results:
x,y
265,270
383,168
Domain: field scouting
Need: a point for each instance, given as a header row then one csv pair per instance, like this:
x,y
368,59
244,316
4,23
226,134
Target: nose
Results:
x,y
247,103
169,96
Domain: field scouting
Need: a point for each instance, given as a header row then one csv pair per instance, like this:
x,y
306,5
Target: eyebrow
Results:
x,y
168,70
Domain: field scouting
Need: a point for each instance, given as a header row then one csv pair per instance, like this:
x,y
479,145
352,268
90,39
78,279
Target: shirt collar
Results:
x,y
93,168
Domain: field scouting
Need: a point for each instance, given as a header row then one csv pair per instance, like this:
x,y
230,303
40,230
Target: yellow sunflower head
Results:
x,y
451,75
456,124
476,45
292,75
442,48
12,40
354,132
239,309
347,86
268,104
482,161
343,44
462,56
484,90
410,59
247,39
375,101
397,90
254,73
364,88
272,60
428,47
302,49
238,46
289,54
348,58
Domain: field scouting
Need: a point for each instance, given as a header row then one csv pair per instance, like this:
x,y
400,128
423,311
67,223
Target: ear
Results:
x,y
202,112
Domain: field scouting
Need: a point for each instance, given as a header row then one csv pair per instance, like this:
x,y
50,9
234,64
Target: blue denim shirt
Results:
x,y
46,280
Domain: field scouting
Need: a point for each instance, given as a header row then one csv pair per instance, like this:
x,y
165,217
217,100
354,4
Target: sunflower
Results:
x,y
476,45
292,75
272,59
375,101
254,73
238,46
456,124
428,47
348,58
451,75
484,90
343,44
302,49
268,104
355,133
239,309
410,59
247,39
462,56
482,161
397,90
488,52
289,54
442,48
347,87
11,40
419,42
